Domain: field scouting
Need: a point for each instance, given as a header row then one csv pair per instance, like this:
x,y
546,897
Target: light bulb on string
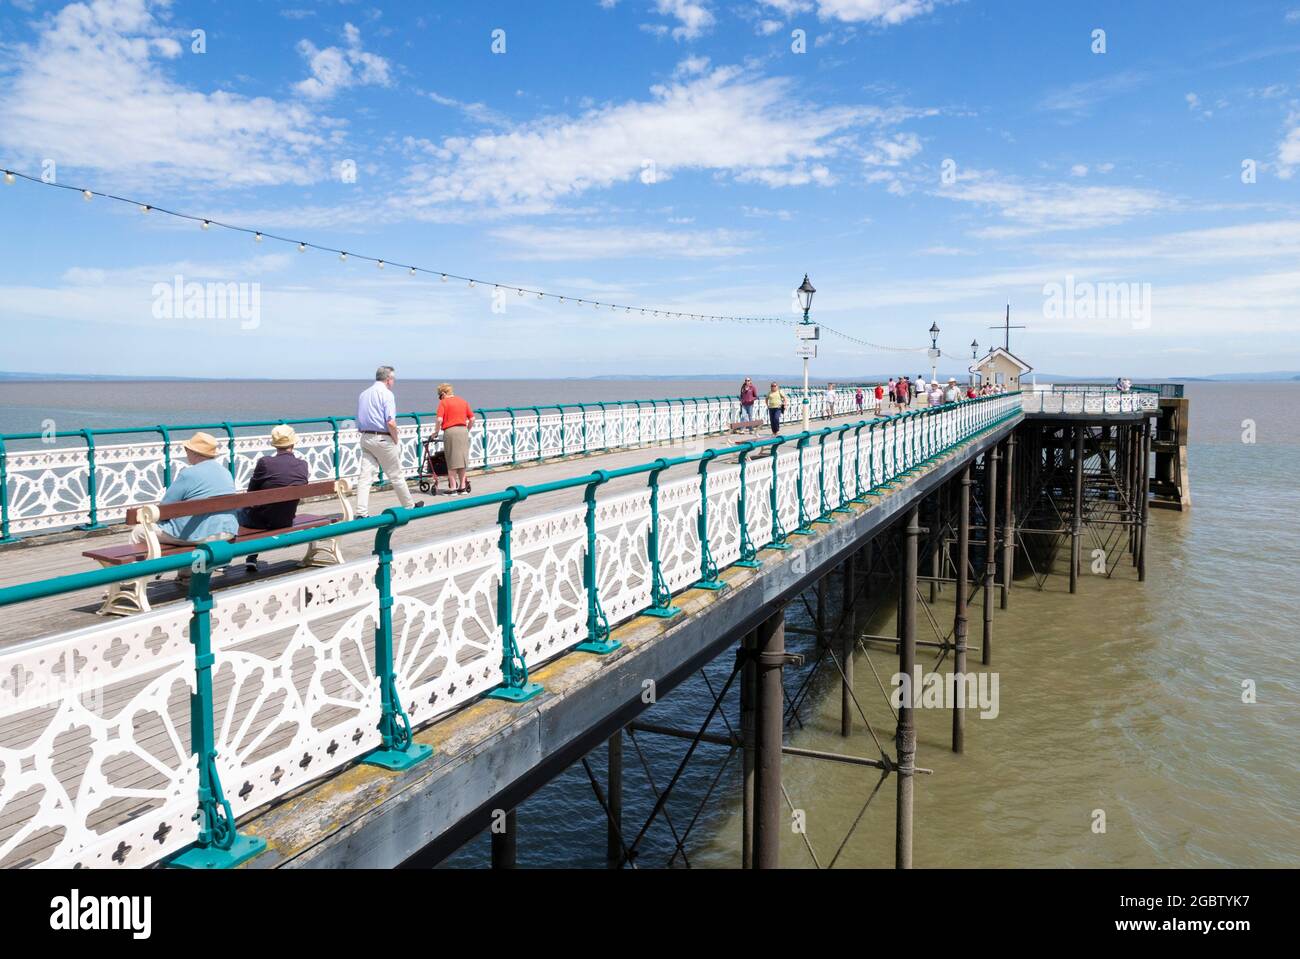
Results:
x,y
206,225
412,271
379,264
343,256
86,195
444,278
9,177
471,284
145,208
257,238
302,247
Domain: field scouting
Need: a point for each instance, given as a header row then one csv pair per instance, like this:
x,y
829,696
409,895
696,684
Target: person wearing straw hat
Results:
x,y
281,469
204,476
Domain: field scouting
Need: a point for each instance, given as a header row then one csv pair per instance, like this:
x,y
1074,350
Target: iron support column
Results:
x,y
960,628
1008,520
850,639
1076,522
769,721
1144,504
991,457
748,674
614,824
906,736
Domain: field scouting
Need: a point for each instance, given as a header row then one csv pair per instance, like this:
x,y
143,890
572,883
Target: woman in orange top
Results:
x,y
454,421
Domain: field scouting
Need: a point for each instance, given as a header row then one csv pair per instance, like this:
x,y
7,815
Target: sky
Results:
x,y
1124,175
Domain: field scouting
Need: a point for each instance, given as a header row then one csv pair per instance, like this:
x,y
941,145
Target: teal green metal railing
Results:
x,y
218,841
232,430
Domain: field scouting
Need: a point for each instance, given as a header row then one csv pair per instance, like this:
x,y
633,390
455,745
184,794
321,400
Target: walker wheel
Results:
x,y
424,486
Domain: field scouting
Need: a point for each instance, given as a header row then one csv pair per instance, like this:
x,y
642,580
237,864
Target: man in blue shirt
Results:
x,y
380,444
205,476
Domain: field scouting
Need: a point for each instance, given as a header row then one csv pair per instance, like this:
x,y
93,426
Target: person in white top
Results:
x,y
952,394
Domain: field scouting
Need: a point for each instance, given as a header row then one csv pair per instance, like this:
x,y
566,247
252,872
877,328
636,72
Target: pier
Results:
x,y
383,711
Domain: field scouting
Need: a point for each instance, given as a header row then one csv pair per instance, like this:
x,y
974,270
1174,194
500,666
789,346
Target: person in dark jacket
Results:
x,y
284,468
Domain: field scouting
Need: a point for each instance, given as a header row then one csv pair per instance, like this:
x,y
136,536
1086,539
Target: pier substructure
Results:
x,y
1084,481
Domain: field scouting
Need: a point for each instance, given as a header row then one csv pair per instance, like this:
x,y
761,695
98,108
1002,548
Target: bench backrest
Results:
x,y
230,502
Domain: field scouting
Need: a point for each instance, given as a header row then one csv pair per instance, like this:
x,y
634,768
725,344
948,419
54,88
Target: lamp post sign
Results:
x,y
808,351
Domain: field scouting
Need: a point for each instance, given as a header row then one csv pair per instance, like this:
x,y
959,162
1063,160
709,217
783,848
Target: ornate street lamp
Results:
x,y
974,355
805,291
934,351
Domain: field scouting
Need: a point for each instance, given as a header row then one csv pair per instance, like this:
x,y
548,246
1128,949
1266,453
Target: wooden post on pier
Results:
x,y
1008,519
770,708
504,844
614,823
1076,524
906,736
991,457
960,627
850,640
748,674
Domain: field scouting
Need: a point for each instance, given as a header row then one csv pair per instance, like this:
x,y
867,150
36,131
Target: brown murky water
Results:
x,y
1126,697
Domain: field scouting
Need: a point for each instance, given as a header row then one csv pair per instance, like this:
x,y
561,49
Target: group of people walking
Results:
x,y
900,391
381,447
376,423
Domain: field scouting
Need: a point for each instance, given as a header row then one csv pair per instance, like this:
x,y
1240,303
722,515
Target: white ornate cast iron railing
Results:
x,y
112,736
45,486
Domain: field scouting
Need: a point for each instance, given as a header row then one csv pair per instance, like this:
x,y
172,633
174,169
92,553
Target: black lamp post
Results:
x,y
974,354
934,351
805,291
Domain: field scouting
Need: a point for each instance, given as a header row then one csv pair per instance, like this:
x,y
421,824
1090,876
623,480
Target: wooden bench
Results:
x,y
747,425
122,599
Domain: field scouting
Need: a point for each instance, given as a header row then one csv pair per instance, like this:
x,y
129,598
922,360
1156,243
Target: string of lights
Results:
x,y
259,236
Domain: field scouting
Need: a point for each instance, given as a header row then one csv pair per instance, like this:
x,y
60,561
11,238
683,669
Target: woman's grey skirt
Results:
x,y
455,445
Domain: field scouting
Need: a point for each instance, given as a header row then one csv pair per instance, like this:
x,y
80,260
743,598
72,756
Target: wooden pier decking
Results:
x,y
60,554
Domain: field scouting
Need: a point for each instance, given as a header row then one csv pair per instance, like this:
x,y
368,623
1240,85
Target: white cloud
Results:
x,y
691,66
1079,169
694,18
1244,242
728,121
885,13
1288,151
1080,98
886,156
334,68
1031,208
91,91
789,7
880,12
894,150
575,243
768,27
